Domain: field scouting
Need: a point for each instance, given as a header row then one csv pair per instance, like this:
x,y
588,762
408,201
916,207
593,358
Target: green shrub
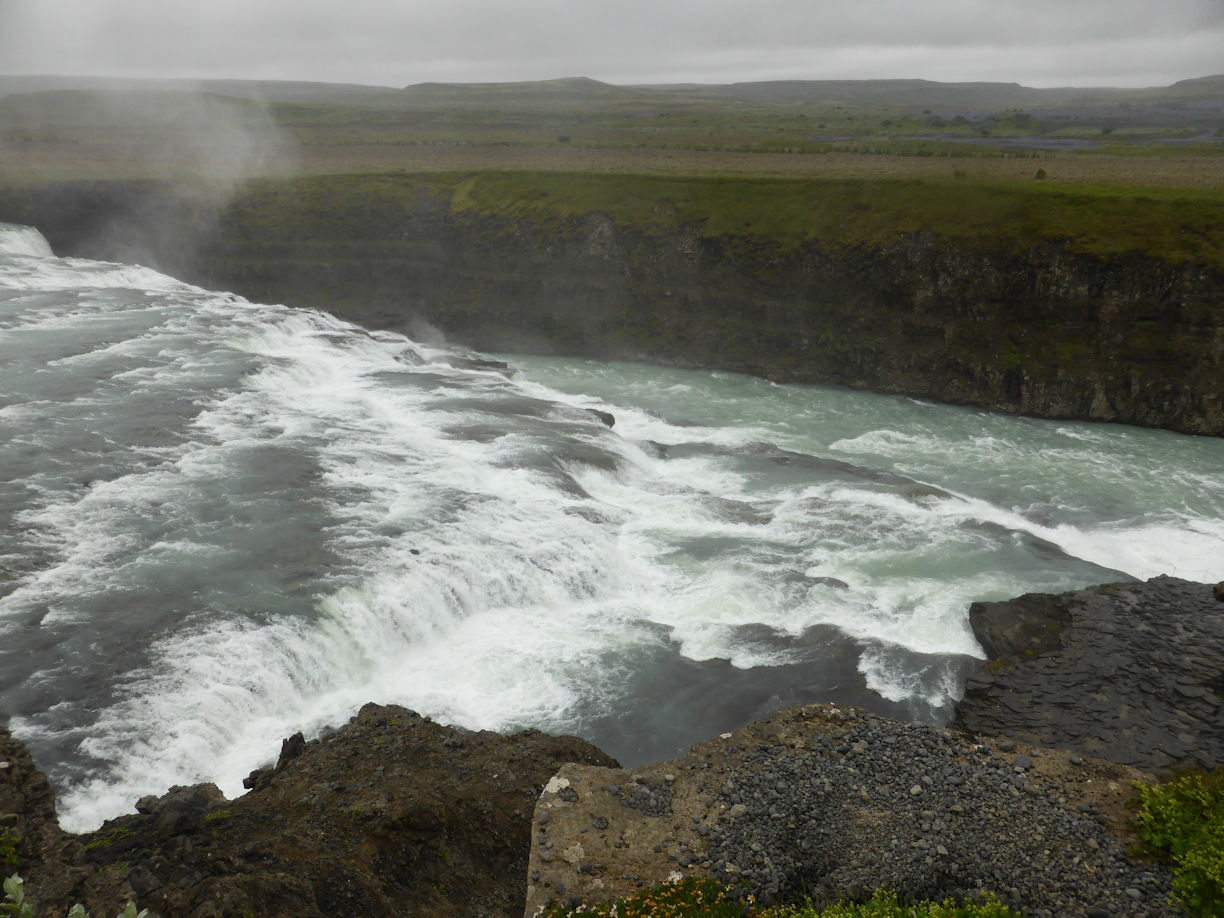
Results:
x,y
1183,823
886,904
694,898
688,898
15,904
14,899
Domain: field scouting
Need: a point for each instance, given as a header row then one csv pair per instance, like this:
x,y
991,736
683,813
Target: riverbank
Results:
x,y
1085,302
392,814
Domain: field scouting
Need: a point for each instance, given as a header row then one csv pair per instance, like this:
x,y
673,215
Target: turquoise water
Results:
x,y
223,522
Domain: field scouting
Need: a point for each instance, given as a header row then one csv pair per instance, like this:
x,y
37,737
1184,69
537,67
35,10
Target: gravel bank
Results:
x,y
833,803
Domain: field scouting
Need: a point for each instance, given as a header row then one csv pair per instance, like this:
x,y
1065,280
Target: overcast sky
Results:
x,y
398,42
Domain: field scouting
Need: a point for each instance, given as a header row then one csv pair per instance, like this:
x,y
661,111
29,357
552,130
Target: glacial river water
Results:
x,y
223,522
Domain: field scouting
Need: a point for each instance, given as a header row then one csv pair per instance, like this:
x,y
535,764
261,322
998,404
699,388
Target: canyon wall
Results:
x,y
1034,325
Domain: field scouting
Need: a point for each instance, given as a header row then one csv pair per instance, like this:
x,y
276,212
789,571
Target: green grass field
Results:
x,y
1103,172
1176,226
1170,137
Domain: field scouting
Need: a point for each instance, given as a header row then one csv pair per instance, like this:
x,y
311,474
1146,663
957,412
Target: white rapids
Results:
x,y
223,522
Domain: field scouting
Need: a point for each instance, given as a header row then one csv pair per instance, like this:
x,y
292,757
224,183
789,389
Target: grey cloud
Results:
x,y
1046,41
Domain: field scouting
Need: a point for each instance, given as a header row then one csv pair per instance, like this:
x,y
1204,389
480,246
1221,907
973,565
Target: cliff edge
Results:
x,y
1083,304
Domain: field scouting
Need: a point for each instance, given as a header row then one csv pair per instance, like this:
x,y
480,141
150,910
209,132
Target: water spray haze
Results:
x,y
202,138
167,160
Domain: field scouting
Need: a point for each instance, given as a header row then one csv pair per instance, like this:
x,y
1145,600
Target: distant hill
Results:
x,y
926,93
1203,93
563,86
565,90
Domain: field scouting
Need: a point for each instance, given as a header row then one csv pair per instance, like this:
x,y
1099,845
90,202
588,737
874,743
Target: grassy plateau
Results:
x,y
1106,171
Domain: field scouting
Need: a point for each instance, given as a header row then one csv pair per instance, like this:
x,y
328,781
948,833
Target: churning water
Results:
x,y
222,522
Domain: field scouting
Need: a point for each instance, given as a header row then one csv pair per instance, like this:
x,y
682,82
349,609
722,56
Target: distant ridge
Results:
x,y
565,86
911,92
1199,93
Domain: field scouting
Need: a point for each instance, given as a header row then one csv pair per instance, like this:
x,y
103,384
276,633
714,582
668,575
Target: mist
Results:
x,y
189,149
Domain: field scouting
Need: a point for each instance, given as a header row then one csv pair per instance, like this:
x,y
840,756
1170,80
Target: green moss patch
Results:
x,y
885,904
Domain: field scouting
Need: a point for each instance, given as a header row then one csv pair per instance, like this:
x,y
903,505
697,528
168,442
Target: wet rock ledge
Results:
x,y
1130,672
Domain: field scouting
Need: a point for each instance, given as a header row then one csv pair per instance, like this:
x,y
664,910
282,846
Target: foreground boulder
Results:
x,y
832,803
1130,672
389,815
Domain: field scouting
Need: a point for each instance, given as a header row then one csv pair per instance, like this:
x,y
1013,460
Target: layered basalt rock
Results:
x,y
1130,672
1041,330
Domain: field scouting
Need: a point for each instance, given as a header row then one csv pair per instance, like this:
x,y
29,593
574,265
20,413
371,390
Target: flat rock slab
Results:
x,y
1129,672
831,803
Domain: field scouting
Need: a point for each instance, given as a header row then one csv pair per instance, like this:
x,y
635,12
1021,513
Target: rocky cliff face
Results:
x,y
395,815
1042,330
389,815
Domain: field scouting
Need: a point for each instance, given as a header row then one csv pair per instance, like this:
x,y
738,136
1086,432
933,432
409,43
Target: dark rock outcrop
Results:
x,y
604,417
389,815
1042,329
1023,627
1130,672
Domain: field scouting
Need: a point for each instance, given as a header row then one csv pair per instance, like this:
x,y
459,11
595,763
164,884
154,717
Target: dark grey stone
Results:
x,y
1115,671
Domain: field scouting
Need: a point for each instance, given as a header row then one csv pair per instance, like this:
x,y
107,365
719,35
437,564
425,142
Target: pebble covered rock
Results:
x,y
832,803
907,807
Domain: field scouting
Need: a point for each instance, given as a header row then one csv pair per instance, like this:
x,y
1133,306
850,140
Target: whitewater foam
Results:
x,y
23,241
231,522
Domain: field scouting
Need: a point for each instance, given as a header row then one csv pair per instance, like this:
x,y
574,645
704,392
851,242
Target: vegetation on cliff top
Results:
x,y
1177,226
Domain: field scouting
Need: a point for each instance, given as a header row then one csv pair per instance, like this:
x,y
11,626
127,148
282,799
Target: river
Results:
x,y
223,522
